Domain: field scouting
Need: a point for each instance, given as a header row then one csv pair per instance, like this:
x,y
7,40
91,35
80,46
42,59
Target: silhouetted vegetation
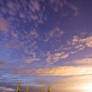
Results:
x,y
27,88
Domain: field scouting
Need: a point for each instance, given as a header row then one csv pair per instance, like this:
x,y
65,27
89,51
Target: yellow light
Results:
x,y
87,87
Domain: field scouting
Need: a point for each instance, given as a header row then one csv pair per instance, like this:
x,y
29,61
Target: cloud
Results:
x,y
80,67
12,44
14,35
75,68
87,41
65,71
82,42
55,33
3,24
53,58
24,71
57,5
77,44
12,8
3,69
84,61
61,4
35,5
6,89
80,47
3,63
30,60
34,33
43,82
65,56
75,40
74,8
34,11
63,52
73,52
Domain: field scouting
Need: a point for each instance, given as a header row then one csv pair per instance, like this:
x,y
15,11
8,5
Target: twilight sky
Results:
x,y
46,43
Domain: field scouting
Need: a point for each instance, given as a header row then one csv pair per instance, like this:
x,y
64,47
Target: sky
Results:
x,y
46,43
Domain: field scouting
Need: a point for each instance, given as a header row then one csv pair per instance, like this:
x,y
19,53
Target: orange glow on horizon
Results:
x,y
86,87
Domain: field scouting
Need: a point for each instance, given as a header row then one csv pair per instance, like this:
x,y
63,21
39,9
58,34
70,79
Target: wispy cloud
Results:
x,y
87,41
3,63
55,34
3,25
6,89
84,61
65,71
53,58
30,60
73,7
59,4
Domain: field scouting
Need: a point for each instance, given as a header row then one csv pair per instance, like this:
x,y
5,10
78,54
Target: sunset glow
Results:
x,y
46,44
87,87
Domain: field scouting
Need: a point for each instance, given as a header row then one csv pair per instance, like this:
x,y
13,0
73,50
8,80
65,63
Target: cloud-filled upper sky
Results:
x,y
46,43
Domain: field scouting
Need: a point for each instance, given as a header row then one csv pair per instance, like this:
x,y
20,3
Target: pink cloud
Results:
x,y
3,63
84,61
79,67
65,71
87,41
12,8
35,5
55,34
30,60
3,25
53,58
15,35
65,56
14,44
75,40
72,6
